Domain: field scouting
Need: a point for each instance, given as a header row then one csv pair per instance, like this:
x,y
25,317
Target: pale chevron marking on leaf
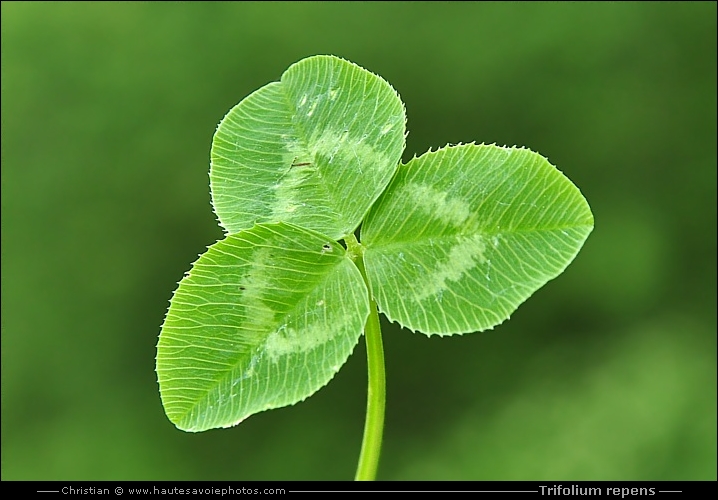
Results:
x,y
262,315
288,191
463,257
326,149
437,204
287,339
348,150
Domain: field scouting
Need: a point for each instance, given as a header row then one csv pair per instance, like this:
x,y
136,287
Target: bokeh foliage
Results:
x,y
609,372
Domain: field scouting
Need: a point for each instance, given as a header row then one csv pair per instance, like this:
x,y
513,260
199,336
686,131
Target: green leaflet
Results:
x,y
464,235
264,319
315,149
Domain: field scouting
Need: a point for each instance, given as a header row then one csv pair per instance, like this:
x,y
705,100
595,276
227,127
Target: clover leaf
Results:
x,y
452,242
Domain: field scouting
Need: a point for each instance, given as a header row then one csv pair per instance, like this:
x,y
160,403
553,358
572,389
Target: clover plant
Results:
x,y
452,242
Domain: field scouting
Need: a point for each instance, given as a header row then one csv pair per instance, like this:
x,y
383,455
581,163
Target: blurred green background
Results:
x,y
608,372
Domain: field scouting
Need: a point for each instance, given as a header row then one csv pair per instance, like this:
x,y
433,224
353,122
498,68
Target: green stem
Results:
x,y
376,393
